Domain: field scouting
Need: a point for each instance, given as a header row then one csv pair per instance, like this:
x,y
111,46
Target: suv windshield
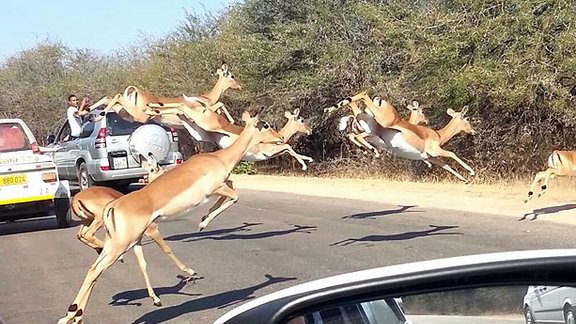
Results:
x,y
13,138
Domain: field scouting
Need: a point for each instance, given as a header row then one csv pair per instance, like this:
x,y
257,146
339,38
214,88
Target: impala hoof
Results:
x,y
158,304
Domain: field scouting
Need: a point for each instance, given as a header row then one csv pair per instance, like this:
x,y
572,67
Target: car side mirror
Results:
x,y
50,139
87,129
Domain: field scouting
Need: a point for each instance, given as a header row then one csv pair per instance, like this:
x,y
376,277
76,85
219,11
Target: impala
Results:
x,y
175,192
273,145
358,136
89,205
560,163
133,103
264,151
415,142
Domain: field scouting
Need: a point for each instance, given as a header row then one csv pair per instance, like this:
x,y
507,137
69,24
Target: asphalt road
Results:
x,y
266,242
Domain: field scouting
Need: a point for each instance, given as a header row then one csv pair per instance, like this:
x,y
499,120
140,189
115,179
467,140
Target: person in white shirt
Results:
x,y
75,115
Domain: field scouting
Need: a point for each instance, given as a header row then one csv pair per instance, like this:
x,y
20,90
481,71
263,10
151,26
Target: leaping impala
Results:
x,y
133,102
89,205
415,142
175,192
273,145
265,151
560,163
358,136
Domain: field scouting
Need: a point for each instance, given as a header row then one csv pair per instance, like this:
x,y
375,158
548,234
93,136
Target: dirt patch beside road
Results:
x,y
557,205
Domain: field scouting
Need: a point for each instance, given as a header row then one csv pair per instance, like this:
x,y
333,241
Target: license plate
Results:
x,y
14,179
120,162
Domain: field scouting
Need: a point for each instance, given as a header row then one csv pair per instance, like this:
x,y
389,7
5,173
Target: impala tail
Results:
x,y
80,210
554,160
344,122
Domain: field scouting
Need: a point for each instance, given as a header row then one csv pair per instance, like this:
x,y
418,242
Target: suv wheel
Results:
x,y
569,317
528,316
84,179
62,211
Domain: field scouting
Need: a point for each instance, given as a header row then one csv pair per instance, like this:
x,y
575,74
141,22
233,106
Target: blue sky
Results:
x,y
103,25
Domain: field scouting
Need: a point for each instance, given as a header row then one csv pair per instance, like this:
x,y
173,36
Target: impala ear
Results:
x,y
464,110
450,112
415,104
296,112
224,68
287,114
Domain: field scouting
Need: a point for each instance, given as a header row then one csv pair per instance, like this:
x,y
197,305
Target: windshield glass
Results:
x,y
13,138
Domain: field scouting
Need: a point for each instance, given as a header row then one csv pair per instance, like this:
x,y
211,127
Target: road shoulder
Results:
x,y
558,205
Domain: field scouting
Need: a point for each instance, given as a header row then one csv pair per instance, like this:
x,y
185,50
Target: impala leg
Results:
x,y
446,167
109,255
539,177
165,111
87,235
362,139
228,198
154,234
352,138
219,107
142,263
441,152
136,113
278,149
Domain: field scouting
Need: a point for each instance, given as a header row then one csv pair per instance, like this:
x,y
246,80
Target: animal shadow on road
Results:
x,y
255,236
547,210
195,235
375,214
232,233
219,301
129,297
434,230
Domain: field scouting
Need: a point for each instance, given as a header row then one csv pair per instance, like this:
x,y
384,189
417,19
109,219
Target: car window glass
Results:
x,y
64,134
13,138
87,129
117,126
383,311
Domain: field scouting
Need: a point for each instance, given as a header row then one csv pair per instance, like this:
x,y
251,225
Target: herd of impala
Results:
x,y
373,124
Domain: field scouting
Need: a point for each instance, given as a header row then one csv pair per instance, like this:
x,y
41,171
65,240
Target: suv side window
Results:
x,y
64,133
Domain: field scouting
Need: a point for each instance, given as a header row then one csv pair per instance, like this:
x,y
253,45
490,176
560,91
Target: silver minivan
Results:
x,y
101,155
550,304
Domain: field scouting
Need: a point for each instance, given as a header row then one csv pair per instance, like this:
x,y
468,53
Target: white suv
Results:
x,y
29,182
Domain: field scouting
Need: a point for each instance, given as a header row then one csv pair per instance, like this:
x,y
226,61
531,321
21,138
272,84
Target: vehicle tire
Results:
x,y
85,181
528,316
569,317
63,212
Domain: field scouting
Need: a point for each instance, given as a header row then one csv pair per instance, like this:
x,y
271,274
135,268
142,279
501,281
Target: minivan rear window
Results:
x,y
13,138
117,126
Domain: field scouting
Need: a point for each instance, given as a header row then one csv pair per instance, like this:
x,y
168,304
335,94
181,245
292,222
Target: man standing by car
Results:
x,y
75,115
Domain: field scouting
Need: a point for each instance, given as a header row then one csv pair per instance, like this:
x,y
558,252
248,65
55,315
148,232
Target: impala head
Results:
x,y
417,114
296,122
462,122
224,75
